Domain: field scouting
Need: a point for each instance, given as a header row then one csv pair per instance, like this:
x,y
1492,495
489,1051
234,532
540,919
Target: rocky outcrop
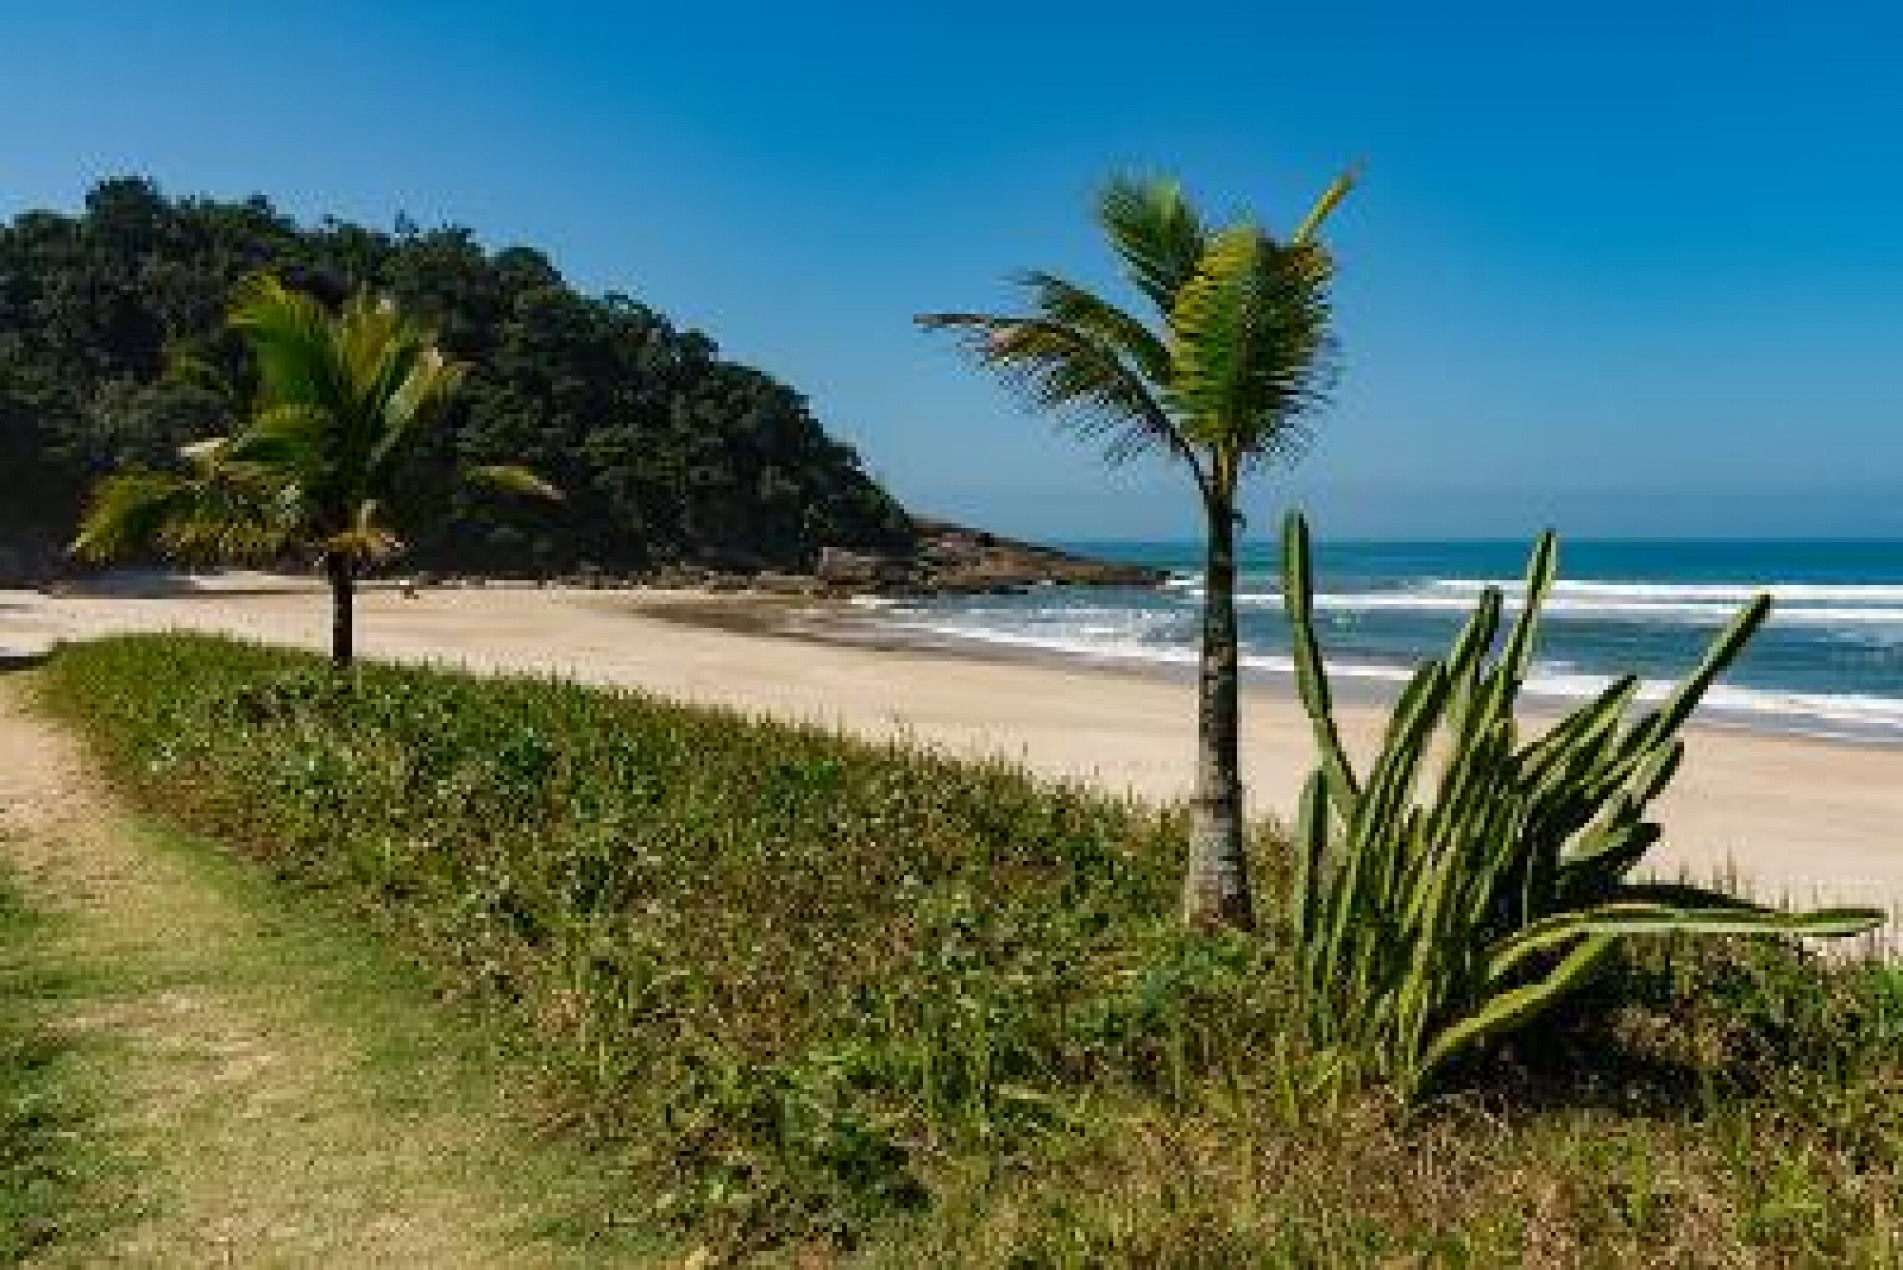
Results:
x,y
953,557
949,560
858,569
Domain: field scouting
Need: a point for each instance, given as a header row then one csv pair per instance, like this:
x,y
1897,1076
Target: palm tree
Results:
x,y
339,395
1240,355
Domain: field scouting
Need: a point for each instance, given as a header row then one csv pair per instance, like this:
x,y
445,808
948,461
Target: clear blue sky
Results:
x,y
1631,268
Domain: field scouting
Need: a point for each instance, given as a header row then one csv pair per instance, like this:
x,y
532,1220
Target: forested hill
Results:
x,y
666,451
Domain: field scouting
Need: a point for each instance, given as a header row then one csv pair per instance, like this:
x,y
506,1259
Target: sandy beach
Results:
x,y
1807,819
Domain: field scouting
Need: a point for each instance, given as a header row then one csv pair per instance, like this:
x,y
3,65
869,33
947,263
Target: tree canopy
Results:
x,y
1220,379
114,352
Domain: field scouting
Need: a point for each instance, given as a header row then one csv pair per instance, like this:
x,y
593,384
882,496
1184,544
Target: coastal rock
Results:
x,y
958,559
785,583
678,577
837,567
948,559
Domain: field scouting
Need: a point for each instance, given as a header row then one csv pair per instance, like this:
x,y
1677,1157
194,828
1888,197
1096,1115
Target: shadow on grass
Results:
x,y
12,662
1672,1031
1593,1068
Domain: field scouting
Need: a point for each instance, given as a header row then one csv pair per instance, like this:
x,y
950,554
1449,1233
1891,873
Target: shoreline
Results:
x,y
1807,818
842,623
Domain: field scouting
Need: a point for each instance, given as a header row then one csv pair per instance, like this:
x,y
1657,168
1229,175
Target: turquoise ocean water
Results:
x,y
1830,662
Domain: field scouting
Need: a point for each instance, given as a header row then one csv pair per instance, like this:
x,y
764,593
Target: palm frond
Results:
x,y
295,439
213,513
1068,304
374,345
1156,234
192,370
223,524
126,513
429,381
512,478
365,540
1324,207
290,336
1250,349
362,546
1072,372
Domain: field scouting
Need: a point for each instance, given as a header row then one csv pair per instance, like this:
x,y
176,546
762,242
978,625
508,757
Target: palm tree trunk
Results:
x,y
1216,886
343,595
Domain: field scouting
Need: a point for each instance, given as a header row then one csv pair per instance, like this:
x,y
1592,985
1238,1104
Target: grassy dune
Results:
x,y
823,995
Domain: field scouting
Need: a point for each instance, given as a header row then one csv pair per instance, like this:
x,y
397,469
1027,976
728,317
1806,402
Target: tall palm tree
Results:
x,y
1239,355
338,396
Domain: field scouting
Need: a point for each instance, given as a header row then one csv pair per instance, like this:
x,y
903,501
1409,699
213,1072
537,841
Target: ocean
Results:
x,y
1828,663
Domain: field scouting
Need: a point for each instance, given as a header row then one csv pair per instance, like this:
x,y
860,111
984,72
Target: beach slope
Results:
x,y
1809,820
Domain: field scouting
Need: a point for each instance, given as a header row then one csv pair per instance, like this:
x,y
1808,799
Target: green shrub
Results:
x,y
1427,929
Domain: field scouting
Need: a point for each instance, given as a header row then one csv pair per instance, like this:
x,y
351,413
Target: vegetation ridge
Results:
x,y
114,352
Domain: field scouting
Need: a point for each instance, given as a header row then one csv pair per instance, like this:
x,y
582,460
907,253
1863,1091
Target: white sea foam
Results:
x,y
1139,637
1108,643
1873,605
1568,605
1847,594
1845,714
1859,593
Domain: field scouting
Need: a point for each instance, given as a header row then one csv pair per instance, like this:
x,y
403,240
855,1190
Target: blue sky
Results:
x,y
1632,269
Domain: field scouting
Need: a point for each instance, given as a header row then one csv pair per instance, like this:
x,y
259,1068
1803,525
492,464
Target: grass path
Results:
x,y
270,1090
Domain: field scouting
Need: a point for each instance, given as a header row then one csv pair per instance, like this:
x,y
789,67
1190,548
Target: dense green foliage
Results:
x,y
827,993
665,450
1427,929
41,1169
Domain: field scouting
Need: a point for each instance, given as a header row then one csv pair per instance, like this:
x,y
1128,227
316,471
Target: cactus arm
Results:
x,y
1469,655
1501,686
1392,780
1578,730
1311,679
1658,771
1311,853
1723,652
1684,895
1696,912
1380,830
1670,716
1539,581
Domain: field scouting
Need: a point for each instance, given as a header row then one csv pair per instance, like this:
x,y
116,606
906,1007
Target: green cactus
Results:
x,y
1441,903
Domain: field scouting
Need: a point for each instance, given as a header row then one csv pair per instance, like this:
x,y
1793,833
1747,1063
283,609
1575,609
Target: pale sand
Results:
x,y
1797,818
